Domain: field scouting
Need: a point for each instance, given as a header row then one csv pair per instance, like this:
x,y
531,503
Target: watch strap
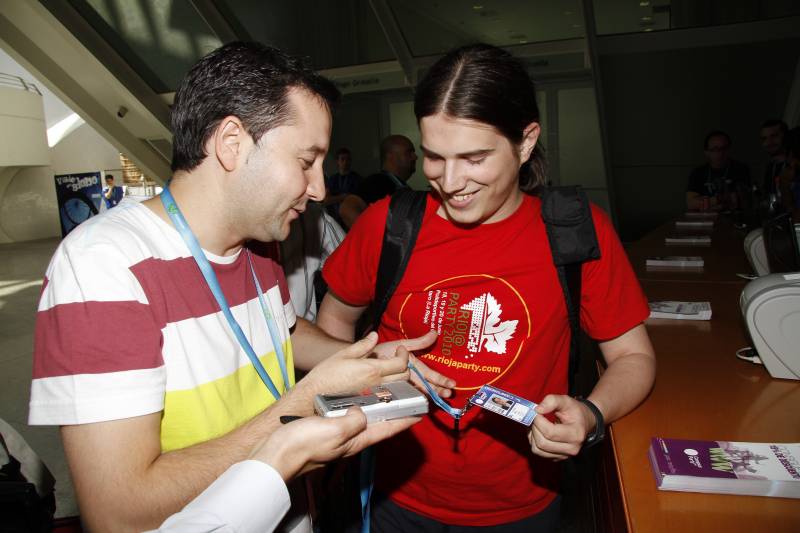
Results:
x,y
599,432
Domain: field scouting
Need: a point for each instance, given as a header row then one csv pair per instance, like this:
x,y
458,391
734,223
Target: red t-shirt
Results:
x,y
493,294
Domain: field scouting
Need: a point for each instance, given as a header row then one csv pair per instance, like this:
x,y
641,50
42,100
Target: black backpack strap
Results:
x,y
570,229
406,210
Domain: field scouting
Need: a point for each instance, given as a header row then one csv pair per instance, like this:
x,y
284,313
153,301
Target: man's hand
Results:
x,y
441,383
387,350
352,369
563,439
306,444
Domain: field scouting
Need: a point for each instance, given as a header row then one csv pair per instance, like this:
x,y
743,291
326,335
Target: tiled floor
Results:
x,y
22,267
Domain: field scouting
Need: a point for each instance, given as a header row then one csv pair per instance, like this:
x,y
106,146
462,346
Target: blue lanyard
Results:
x,y
367,469
452,411
211,279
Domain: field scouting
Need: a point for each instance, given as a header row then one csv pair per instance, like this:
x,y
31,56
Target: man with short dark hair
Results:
x,y
398,164
789,182
112,195
200,367
345,181
773,139
722,183
340,184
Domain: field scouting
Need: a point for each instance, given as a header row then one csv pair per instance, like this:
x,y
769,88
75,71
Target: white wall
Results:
x,y
23,139
28,206
84,150
54,109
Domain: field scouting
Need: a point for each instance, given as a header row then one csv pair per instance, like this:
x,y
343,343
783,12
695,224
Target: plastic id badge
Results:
x,y
505,404
382,402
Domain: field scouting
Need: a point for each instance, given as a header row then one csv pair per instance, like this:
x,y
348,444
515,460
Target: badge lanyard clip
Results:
x,y
457,414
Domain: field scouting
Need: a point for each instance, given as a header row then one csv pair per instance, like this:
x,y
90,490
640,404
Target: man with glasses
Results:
x,y
722,183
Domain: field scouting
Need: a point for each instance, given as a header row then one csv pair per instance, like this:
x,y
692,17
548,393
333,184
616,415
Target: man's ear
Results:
x,y
530,136
230,139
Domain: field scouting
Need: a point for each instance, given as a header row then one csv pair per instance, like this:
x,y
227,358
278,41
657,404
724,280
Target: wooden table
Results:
x,y
703,392
723,259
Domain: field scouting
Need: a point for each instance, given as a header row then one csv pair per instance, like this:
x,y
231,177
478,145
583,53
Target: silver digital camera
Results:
x,y
382,402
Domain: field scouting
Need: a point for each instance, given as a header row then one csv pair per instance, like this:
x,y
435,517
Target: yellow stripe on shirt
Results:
x,y
218,407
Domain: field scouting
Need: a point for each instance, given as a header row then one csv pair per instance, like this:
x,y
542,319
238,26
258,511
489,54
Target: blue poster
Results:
x,y
80,196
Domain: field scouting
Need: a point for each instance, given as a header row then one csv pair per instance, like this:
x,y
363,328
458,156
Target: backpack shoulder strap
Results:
x,y
570,229
406,210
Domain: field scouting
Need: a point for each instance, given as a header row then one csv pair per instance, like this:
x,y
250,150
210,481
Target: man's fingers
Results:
x,y
379,431
441,383
404,376
549,403
550,449
433,377
401,354
556,432
394,368
394,365
361,348
553,439
351,424
418,343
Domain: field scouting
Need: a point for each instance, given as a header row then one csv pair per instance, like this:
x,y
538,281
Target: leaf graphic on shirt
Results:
x,y
496,333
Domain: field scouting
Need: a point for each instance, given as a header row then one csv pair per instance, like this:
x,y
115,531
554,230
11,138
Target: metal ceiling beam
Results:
x,y
792,113
215,20
42,56
740,33
71,19
594,63
396,41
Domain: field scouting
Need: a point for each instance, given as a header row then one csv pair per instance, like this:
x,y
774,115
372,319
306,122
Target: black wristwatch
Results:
x,y
599,432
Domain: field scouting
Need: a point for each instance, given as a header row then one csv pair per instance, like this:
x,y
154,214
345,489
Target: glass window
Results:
x,y
432,28
160,40
332,33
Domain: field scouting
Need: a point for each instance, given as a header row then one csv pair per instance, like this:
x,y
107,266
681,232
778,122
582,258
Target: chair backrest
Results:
x,y
27,499
781,243
756,252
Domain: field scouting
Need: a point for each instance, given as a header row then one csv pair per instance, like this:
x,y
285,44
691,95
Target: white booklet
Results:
x,y
694,224
753,468
681,310
688,240
676,261
707,215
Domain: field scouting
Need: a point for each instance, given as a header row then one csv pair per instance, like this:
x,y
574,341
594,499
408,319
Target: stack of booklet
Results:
x,y
706,215
687,240
752,468
694,224
675,261
681,310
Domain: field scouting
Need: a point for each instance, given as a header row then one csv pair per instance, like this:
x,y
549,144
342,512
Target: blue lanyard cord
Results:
x,y
452,411
271,325
368,455
211,279
366,474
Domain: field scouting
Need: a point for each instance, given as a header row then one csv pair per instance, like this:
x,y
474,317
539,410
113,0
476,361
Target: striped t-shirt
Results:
x,y
127,326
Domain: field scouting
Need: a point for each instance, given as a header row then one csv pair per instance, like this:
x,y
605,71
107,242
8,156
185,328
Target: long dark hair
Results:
x,y
485,83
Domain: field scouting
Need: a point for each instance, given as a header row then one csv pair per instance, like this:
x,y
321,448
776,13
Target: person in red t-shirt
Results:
x,y
482,276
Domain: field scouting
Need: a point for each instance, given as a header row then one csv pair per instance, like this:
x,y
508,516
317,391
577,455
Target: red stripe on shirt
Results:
x,y
176,289
95,338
